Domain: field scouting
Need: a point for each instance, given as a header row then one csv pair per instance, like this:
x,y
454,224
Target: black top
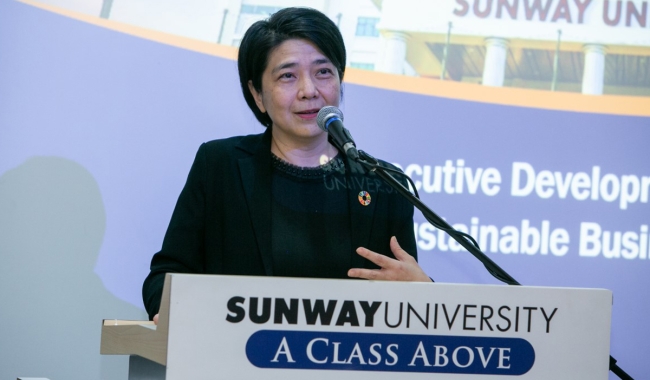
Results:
x,y
310,221
222,223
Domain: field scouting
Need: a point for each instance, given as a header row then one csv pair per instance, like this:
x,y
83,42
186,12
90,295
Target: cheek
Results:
x,y
275,101
334,94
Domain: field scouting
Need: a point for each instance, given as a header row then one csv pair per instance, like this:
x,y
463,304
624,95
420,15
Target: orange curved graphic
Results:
x,y
561,101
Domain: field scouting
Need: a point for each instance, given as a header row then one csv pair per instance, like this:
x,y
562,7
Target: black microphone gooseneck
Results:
x,y
463,239
330,119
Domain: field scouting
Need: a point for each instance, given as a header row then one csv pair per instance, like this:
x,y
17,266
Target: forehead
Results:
x,y
295,52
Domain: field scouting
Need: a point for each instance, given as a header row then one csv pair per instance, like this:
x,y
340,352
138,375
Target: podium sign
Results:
x,y
267,327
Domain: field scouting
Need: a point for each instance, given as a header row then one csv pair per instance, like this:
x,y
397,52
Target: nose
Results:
x,y
308,88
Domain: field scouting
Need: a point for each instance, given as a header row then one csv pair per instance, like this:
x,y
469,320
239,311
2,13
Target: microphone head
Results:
x,y
327,113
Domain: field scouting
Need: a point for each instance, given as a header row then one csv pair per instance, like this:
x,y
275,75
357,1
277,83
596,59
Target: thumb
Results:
x,y
397,250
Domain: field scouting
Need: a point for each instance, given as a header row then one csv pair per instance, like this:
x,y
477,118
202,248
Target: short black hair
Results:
x,y
264,36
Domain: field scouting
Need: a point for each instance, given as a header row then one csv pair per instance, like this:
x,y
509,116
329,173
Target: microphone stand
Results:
x,y
372,164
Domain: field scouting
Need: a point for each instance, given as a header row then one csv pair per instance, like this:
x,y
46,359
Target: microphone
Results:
x,y
330,120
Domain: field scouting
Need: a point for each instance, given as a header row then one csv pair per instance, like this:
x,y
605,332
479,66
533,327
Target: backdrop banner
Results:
x,y
556,197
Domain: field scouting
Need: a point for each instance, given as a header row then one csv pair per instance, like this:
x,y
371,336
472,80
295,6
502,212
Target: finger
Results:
x,y
380,260
155,319
396,249
400,254
367,274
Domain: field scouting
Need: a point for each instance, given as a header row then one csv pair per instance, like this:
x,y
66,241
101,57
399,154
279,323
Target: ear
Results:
x,y
257,96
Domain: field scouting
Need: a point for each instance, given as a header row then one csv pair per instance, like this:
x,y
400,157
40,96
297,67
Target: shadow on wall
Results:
x,y
52,223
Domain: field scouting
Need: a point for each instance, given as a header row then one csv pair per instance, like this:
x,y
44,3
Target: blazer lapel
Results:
x,y
256,172
361,216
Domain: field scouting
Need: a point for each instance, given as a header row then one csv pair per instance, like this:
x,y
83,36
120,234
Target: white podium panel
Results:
x,y
236,327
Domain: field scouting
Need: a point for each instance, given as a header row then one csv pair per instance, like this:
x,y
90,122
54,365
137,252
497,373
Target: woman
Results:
x,y
286,202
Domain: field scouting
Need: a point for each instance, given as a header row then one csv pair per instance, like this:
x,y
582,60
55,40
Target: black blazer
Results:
x,y
222,220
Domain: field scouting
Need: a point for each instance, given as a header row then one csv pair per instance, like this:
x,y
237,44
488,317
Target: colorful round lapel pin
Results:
x,y
364,198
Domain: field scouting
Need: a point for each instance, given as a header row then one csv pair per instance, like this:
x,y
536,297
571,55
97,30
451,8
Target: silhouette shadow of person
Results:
x,y
52,223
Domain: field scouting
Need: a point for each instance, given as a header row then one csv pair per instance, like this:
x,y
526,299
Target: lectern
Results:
x,y
239,327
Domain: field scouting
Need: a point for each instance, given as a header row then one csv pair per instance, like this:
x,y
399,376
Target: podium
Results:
x,y
241,327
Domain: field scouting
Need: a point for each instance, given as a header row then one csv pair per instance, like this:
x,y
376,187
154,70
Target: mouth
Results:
x,y
308,114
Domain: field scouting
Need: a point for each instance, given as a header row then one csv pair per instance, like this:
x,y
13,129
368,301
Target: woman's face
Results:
x,y
298,81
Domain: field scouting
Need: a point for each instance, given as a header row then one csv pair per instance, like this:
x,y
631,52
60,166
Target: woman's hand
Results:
x,y
155,319
405,268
